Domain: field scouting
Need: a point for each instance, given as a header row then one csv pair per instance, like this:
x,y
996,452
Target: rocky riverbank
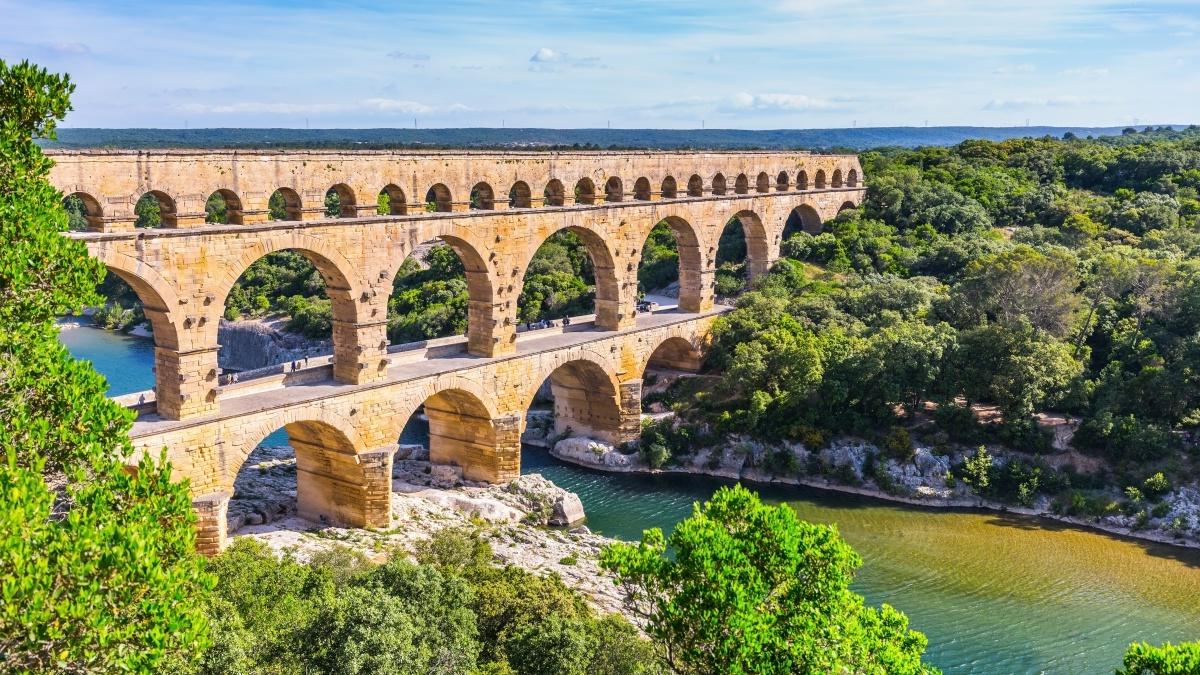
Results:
x,y
857,467
530,523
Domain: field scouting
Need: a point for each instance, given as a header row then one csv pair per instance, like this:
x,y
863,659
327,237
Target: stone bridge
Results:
x,y
344,419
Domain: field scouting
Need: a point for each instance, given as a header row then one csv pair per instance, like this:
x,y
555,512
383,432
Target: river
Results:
x,y
995,594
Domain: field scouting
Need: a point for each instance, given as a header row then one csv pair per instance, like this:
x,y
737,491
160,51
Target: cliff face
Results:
x,y
246,345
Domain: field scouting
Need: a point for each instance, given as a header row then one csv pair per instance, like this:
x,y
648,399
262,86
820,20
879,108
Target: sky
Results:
x,y
768,64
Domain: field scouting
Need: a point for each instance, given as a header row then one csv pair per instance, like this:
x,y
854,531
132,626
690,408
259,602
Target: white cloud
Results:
x,y
408,56
377,105
779,102
1084,72
550,60
547,55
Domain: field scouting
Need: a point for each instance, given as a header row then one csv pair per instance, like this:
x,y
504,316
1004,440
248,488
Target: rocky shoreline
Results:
x,y
530,523
923,480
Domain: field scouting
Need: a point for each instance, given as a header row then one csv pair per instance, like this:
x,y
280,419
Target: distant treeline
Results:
x,y
556,139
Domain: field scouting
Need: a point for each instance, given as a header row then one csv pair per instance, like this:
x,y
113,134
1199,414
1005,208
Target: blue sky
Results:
x,y
675,64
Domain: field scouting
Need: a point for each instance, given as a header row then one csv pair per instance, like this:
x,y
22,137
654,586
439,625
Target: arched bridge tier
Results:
x,y
345,434
183,275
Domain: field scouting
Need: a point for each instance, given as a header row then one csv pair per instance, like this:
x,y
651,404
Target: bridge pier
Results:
x,y
359,350
336,488
186,382
212,517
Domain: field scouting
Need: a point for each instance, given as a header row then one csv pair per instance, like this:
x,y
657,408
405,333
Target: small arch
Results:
x,y
802,180
340,202
641,189
392,201
695,187
743,251
741,184
669,189
763,184
674,353
483,198
847,205
438,200
585,191
223,206
554,194
614,191
852,178
836,179
819,180
803,218
519,196
284,204
718,184
782,182
155,209
83,211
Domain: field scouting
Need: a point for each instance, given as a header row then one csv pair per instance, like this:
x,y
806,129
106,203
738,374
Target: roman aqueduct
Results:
x,y
343,418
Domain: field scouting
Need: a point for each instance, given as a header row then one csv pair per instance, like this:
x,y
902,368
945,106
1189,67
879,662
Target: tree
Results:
x,y
1023,282
97,571
750,588
1169,659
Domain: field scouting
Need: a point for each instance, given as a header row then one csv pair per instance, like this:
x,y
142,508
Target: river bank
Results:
x,y
922,482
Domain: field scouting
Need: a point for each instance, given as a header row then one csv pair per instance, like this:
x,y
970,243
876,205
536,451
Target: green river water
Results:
x,y
996,594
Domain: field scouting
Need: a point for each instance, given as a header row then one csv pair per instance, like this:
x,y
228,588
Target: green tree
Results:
x,y
1168,659
97,573
750,588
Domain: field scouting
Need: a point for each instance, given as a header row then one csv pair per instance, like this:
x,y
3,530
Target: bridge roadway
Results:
x,y
345,434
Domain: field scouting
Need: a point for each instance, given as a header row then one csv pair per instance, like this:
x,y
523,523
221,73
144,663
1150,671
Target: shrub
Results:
x,y
898,444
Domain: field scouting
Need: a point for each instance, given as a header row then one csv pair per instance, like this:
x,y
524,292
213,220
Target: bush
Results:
x,y
898,444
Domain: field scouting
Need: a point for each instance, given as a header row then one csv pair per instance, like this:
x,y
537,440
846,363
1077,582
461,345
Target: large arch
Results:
x,y
758,246
232,207
674,353
587,398
462,434
693,288
803,218
608,291
338,480
397,202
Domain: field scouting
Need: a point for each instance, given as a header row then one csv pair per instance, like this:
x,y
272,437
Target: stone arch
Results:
x,y
803,218
337,481
347,202
483,198
439,199
695,186
669,189
166,207
819,180
233,206
292,207
585,191
608,285
741,184
763,184
92,212
836,179
692,286
847,205
156,294
718,184
397,201
462,433
782,182
802,180
852,178
641,189
519,195
614,191
587,397
554,194
758,246
674,353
